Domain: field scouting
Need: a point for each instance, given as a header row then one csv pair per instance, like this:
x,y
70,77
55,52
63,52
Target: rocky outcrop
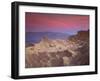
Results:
x,y
82,48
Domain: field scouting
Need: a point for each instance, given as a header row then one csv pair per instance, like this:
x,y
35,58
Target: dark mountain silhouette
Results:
x,y
34,37
81,35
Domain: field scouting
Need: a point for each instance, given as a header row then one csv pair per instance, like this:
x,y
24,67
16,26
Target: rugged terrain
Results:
x,y
59,52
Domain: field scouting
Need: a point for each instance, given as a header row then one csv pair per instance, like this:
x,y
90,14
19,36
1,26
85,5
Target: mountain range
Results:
x,y
35,37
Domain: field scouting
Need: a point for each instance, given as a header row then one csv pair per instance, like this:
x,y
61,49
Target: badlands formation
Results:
x,y
59,52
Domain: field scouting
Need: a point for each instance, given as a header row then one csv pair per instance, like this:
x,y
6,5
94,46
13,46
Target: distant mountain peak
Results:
x,y
45,38
34,37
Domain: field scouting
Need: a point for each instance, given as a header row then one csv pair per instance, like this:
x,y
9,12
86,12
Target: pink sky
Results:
x,y
40,22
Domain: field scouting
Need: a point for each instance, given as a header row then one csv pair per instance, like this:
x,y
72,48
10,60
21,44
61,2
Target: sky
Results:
x,y
47,22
